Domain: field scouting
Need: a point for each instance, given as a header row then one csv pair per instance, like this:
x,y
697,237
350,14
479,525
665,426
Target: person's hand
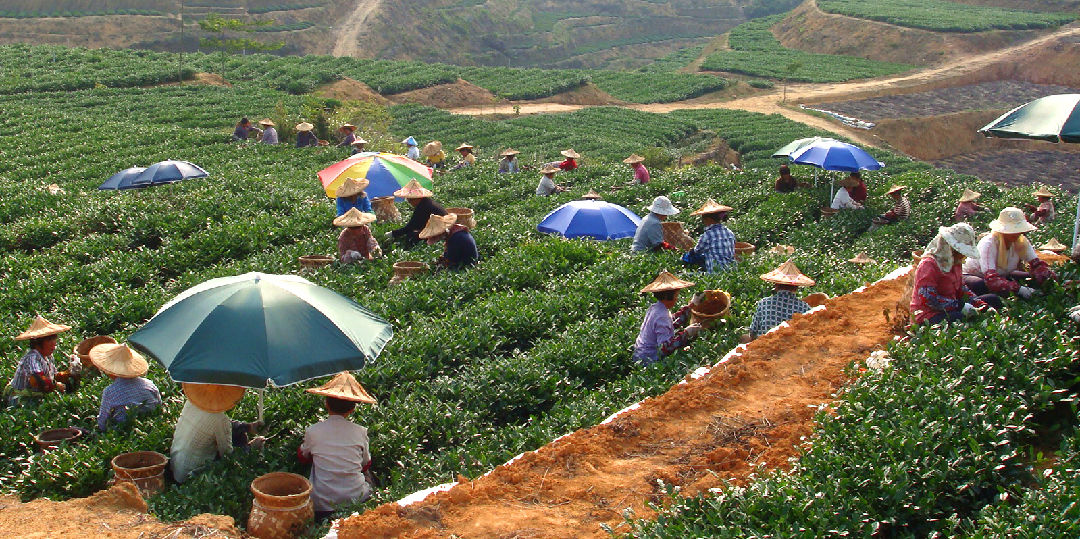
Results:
x,y
1026,292
697,299
60,387
968,310
257,442
389,235
692,330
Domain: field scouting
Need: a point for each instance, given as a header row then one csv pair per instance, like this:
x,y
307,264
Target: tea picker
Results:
x,y
783,304
36,374
419,197
715,249
658,336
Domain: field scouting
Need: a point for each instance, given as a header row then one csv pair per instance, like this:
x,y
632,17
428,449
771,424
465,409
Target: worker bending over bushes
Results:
x,y
657,337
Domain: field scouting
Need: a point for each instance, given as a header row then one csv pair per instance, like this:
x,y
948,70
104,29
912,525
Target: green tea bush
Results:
x,y
945,16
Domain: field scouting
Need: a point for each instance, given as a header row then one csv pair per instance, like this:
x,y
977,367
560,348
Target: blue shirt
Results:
x,y
773,310
460,250
124,393
649,235
717,247
362,203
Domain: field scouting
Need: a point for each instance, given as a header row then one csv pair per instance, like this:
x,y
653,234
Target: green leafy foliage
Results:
x,y
945,16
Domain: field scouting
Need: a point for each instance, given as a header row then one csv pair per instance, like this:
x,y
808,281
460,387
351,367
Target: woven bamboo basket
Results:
x,y
83,351
743,249
406,269
314,261
51,438
281,507
674,234
145,469
716,305
465,217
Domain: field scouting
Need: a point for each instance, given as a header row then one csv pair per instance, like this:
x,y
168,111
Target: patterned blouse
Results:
x,y
773,310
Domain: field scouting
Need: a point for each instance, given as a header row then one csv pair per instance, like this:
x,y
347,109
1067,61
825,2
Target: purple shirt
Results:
x,y
656,329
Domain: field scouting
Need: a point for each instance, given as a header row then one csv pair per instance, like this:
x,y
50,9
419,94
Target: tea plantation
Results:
x,y
532,343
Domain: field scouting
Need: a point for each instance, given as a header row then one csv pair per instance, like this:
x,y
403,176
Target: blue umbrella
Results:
x,y
168,172
831,154
123,179
592,219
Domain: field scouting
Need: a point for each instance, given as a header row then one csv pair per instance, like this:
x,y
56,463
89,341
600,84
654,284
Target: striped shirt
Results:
x,y
900,211
125,393
32,362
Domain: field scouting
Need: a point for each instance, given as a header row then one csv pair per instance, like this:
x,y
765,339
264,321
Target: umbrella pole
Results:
x,y
1076,223
262,394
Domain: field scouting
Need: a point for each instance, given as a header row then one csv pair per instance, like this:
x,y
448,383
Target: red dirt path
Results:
x,y
752,411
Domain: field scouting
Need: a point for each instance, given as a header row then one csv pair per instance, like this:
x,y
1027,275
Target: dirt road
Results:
x,y
347,42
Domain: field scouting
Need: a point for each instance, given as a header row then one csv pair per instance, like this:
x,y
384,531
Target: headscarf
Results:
x,y
959,237
1020,245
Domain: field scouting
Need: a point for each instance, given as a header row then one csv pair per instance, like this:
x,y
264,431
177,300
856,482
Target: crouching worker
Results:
x,y
658,337
997,268
204,432
938,292
128,390
460,250
781,306
355,243
36,374
337,448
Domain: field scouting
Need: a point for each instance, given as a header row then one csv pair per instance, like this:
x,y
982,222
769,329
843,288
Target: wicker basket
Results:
x,y
675,235
743,249
716,305
406,269
828,212
146,469
281,506
465,217
51,438
83,351
314,261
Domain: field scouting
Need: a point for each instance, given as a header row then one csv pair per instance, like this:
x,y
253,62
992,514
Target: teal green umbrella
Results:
x,y
256,330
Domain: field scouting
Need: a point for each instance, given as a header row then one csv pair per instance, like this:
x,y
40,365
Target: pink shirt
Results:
x,y
948,286
964,210
641,174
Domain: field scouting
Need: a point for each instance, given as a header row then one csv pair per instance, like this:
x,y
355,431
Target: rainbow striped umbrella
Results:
x,y
387,173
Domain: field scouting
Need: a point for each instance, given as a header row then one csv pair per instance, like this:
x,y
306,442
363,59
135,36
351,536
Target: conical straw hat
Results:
x,y
1053,245
413,189
431,148
352,186
1043,192
354,217
782,250
437,224
41,327
592,195
345,387
634,158
464,146
358,142
970,196
212,398
508,152
549,170
788,274
666,281
711,206
895,188
348,126
304,126
118,360
267,121
861,258
570,153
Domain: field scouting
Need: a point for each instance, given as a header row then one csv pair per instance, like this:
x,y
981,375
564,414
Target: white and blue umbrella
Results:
x,y
123,180
168,172
829,154
595,219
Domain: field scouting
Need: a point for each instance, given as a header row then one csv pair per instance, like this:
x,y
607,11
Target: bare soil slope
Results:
x,y
456,94
751,411
351,90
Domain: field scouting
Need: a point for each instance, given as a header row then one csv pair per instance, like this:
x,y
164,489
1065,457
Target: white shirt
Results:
x,y
843,201
413,153
988,251
546,187
198,438
339,451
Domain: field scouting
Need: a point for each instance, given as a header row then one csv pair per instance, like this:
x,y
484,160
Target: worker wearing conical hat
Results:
x,y
412,151
356,243
658,337
966,208
338,449
35,375
637,164
783,304
547,185
570,163
1045,212
715,249
304,135
349,130
129,389
467,156
843,199
358,145
509,163
901,207
434,155
204,432
423,208
998,267
351,194
460,250
650,233
269,133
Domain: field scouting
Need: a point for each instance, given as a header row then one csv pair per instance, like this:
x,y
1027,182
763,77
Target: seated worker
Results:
x,y
996,269
304,136
467,157
358,145
269,133
349,130
787,183
338,449
434,154
356,243
843,199
243,130
781,306
204,432
637,164
412,152
351,195
715,249
128,390
650,233
509,163
657,337
1045,212
858,191
967,208
901,207
460,249
570,163
938,291
547,185
423,208
35,375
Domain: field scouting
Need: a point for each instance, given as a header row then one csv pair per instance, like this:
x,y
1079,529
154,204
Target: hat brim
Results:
x,y
213,398
99,357
1017,228
663,211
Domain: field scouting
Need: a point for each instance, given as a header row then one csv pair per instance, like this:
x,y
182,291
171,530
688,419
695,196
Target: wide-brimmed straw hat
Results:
x,y
437,224
413,189
970,196
861,258
547,169
267,121
787,274
664,282
304,126
570,153
592,195
118,360
213,398
431,148
662,205
354,217
961,237
1043,192
1054,246
895,188
1011,221
711,206
509,152
848,182
634,158
358,141
39,328
345,387
409,142
352,186
464,146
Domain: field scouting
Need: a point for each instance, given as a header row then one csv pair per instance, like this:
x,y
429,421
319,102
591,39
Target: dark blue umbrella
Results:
x,y
169,172
832,154
591,219
123,179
